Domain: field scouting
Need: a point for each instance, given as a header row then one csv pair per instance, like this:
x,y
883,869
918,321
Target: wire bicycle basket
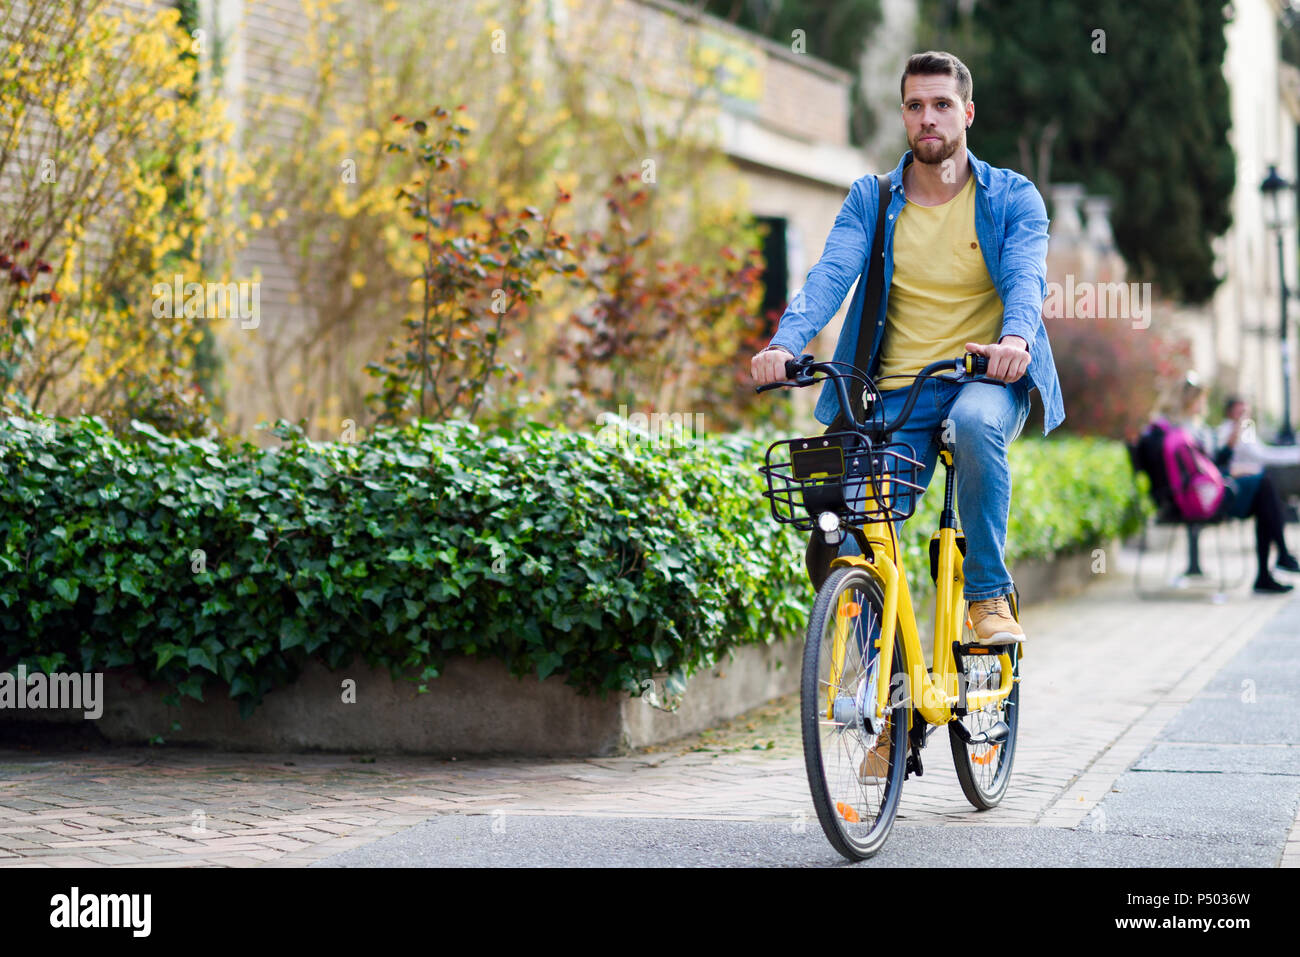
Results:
x,y
840,472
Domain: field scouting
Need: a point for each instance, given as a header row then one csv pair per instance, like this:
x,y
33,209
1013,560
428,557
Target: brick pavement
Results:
x,y
161,807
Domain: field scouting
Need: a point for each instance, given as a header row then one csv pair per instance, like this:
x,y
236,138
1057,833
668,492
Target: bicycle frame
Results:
x,y
935,696
855,480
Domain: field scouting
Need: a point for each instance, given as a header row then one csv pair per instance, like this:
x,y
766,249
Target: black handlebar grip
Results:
x,y
976,365
794,374
794,367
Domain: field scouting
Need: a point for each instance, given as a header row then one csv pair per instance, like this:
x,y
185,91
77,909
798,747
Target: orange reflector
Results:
x,y
847,812
987,757
850,609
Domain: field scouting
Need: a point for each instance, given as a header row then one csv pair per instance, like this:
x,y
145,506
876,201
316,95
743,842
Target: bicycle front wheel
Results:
x,y
855,759
984,753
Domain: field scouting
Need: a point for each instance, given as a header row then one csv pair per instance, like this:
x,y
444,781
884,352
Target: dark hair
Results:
x,y
1230,401
938,63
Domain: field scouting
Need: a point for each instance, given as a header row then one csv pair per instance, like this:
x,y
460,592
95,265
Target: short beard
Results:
x,y
947,154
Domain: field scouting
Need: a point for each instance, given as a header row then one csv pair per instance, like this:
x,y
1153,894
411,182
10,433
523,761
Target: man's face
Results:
x,y
934,117
1238,410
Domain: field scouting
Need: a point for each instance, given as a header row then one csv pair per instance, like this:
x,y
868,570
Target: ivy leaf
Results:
x,y
547,663
199,657
376,594
165,653
192,687
675,683
292,633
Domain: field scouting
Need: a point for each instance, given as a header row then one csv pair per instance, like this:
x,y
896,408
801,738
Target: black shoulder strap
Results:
x,y
871,301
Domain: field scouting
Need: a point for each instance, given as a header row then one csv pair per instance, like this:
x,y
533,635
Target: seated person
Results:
x,y
1245,495
1249,455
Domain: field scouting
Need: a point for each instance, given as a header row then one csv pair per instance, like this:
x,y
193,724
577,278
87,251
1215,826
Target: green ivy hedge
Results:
x,y
204,564
1069,494
211,566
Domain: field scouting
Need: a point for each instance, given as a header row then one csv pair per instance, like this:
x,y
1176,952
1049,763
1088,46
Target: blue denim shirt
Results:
x,y
1011,226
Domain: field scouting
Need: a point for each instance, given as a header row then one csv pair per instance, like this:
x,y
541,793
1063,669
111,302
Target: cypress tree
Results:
x,y
1138,111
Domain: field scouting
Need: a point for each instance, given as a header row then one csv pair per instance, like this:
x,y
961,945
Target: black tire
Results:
x,y
984,770
834,750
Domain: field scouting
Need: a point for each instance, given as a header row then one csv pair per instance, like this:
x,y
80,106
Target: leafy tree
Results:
x,y
1290,33
1128,99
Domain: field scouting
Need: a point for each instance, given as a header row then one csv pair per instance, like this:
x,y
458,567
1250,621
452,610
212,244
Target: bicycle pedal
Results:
x,y
1001,648
994,735
914,766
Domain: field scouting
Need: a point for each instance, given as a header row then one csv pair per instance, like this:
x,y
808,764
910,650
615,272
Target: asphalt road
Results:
x,y
469,841
1219,787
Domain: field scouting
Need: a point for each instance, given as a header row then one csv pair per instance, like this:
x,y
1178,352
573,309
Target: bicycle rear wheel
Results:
x,y
984,764
855,761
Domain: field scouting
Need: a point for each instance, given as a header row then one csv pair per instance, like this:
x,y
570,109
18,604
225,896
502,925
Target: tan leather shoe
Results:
x,y
875,766
992,623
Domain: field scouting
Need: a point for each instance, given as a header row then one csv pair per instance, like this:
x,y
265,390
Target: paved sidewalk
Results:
x,y
184,808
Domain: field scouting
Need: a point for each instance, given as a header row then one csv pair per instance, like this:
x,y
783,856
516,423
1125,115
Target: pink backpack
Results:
x,y
1195,484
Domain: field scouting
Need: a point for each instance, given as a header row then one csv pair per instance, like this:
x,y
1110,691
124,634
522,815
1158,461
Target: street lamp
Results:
x,y
1273,187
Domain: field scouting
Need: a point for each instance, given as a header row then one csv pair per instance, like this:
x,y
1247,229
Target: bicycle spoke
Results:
x,y
838,708
984,768
846,749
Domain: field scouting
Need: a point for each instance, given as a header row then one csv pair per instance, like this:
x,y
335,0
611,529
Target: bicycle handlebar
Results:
x,y
798,372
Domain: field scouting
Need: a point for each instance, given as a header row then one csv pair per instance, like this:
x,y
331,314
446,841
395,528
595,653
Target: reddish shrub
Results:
x,y
1112,374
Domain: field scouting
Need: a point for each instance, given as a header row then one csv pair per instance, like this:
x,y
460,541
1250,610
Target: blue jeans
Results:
x,y
982,420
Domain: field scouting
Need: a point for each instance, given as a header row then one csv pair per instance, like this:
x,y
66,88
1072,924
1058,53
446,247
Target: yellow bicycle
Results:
x,y
868,702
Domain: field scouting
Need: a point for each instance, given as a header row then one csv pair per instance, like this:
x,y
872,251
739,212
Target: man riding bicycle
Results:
x,y
965,262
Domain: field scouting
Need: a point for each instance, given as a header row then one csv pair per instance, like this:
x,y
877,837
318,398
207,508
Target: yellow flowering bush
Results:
x,y
529,87
106,134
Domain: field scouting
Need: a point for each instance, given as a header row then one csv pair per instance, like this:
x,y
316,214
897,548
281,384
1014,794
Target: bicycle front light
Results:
x,y
829,523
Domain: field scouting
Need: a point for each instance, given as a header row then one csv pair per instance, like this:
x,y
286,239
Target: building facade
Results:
x,y
1236,338
778,113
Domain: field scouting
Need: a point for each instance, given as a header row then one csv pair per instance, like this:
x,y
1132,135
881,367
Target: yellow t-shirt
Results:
x,y
941,295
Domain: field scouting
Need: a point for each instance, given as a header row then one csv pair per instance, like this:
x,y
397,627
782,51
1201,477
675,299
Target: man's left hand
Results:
x,y
1008,359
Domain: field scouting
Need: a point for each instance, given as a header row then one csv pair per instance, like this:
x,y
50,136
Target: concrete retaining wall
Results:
x,y
474,708
1041,580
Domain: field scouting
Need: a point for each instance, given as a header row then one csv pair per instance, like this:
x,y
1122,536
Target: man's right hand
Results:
x,y
769,365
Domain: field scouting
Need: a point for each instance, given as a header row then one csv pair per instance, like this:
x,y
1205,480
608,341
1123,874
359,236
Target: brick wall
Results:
x,y
804,104
765,82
